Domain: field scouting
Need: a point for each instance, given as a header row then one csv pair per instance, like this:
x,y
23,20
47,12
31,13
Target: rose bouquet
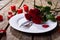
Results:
x,y
40,14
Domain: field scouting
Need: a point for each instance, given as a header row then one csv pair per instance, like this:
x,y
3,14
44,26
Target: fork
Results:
x,y
27,24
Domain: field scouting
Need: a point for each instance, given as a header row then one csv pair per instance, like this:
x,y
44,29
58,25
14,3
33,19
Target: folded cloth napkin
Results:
x,y
22,22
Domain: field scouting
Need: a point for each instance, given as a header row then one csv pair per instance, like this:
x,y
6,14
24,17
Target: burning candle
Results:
x,y
13,8
19,11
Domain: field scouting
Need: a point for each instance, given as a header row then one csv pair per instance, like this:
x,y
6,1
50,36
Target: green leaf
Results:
x,y
47,8
42,10
49,2
44,18
48,12
51,17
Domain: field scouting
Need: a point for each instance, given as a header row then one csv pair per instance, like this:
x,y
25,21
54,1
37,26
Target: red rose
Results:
x,y
32,15
36,11
28,17
31,11
37,20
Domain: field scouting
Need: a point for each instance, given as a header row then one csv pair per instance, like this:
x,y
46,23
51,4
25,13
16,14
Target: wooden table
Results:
x,y
3,3
12,34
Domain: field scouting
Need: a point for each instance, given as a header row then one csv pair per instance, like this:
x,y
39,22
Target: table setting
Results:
x,y
39,19
30,20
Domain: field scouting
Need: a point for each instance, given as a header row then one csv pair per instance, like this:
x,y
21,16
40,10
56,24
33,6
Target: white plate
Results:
x,y
19,19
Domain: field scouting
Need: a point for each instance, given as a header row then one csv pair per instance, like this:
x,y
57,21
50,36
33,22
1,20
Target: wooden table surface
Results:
x,y
12,34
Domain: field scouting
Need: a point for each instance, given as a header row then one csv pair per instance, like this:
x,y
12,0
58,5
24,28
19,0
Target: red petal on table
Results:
x,y
26,8
1,18
45,25
24,5
13,7
2,31
9,13
20,11
9,16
